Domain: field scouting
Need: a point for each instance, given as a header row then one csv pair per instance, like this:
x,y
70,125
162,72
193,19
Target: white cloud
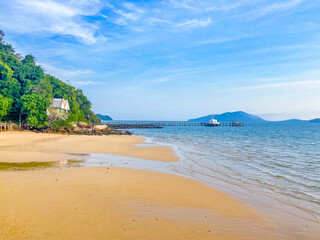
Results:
x,y
65,74
208,5
225,7
84,83
275,7
188,4
192,23
71,76
221,40
127,15
49,16
153,20
133,7
128,12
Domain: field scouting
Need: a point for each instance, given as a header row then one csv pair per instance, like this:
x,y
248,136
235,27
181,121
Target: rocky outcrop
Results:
x,y
83,128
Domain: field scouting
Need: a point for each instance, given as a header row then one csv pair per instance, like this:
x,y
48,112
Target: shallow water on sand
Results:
x,y
275,166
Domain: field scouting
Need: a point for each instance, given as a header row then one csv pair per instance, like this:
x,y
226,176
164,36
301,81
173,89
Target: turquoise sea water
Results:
x,y
274,164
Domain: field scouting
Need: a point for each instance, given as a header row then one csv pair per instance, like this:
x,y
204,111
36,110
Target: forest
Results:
x,y
26,92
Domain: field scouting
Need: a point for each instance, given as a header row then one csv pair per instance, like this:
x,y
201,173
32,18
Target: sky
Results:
x,y
177,59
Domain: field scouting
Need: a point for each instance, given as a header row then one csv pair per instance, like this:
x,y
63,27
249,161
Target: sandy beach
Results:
x,y
41,147
113,203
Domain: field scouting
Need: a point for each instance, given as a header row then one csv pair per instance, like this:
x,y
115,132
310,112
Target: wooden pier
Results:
x,y
151,124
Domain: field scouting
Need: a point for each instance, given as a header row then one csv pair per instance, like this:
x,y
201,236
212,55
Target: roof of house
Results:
x,y
60,103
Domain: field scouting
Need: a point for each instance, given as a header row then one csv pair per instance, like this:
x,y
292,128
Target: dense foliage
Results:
x,y
25,90
5,104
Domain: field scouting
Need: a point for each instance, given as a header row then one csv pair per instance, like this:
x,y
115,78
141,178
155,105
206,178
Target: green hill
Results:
x,y
26,90
104,117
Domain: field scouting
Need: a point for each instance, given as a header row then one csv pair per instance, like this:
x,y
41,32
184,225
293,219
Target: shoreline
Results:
x,y
292,218
181,203
45,147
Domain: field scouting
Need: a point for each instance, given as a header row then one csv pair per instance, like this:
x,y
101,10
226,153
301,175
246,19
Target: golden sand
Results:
x,y
119,203
34,147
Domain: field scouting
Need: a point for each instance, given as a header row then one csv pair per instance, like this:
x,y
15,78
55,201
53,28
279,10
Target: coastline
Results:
x,y
112,202
45,147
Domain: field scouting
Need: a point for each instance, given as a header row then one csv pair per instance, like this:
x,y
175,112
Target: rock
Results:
x,y
74,124
83,125
100,127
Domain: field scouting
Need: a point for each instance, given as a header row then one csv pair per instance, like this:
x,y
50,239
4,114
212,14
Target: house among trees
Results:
x,y
60,105
58,109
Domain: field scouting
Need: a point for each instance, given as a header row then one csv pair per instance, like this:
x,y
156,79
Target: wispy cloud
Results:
x,y
193,23
226,7
221,40
65,74
34,16
126,13
188,4
133,7
72,76
84,83
275,7
157,20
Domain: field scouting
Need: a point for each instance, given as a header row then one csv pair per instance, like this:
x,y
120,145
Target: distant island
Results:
x,y
104,117
244,118
316,120
231,116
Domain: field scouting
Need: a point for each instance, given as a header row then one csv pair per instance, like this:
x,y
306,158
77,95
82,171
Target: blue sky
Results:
x,y
177,59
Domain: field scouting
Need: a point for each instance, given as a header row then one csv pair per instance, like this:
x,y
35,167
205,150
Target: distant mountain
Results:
x,y
316,120
231,116
293,121
104,117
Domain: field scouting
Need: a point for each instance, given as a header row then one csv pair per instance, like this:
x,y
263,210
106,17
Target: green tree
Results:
x,y
5,106
30,90
35,105
10,88
4,46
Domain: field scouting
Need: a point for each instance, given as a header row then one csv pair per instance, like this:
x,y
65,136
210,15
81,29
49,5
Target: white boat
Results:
x,y
212,123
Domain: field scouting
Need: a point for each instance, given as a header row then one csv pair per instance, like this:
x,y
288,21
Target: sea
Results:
x,y
275,167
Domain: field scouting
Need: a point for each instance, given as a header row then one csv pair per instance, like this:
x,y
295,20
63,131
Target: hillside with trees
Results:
x,y
26,91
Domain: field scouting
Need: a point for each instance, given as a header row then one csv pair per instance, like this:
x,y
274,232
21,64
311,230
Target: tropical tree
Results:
x,y
5,106
35,105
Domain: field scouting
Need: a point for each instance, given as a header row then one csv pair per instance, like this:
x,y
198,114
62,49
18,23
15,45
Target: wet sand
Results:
x,y
40,147
119,203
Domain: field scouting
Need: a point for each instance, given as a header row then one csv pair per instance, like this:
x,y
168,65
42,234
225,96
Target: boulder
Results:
x,y
100,127
83,125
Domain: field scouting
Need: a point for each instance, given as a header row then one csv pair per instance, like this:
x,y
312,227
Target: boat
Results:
x,y
212,123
